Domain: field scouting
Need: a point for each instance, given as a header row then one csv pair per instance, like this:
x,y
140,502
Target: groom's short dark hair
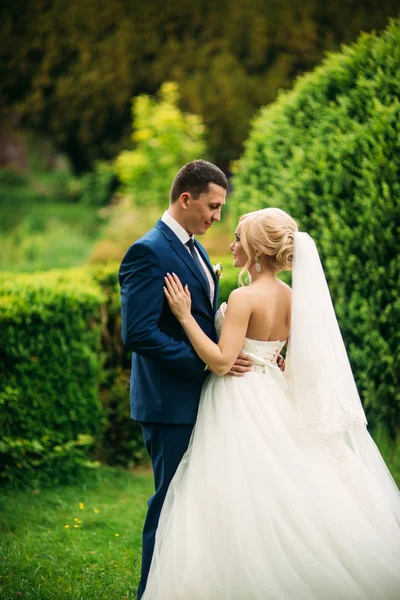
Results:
x,y
194,177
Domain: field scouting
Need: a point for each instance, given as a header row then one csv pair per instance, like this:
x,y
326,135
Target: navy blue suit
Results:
x,y
167,375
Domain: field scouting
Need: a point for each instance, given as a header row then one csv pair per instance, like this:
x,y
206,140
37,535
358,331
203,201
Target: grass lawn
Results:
x,y
75,543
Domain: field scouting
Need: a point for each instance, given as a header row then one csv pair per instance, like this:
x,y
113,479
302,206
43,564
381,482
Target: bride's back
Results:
x,y
271,309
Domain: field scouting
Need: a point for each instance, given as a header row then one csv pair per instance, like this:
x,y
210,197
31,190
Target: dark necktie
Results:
x,y
190,245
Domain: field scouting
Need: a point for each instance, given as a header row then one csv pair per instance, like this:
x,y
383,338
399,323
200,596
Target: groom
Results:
x,y
167,375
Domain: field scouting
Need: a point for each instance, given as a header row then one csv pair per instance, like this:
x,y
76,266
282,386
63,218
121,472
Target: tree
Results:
x,y
165,139
70,68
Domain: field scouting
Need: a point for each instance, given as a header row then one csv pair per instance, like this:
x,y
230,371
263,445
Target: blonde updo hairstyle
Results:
x,y
269,234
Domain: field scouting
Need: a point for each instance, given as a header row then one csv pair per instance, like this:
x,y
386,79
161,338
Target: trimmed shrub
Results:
x,y
329,153
49,367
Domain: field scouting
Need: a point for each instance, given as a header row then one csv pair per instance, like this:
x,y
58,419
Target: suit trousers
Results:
x,y
166,445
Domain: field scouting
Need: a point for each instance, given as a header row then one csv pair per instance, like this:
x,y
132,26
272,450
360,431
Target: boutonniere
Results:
x,y
218,270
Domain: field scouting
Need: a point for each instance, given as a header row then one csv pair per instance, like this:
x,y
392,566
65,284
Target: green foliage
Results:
x,y
71,68
124,223
165,139
11,178
230,278
16,196
49,369
57,245
96,187
329,153
46,460
122,441
42,226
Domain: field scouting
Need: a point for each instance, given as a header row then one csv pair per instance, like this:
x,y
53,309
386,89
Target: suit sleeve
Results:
x,y
142,299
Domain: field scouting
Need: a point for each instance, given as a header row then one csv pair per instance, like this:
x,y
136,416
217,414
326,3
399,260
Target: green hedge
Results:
x,y
328,152
64,381
49,367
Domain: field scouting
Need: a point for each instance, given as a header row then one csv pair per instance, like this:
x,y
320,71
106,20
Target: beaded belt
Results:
x,y
264,368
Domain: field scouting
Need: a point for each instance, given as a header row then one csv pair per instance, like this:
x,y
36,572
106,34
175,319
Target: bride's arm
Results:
x,y
219,357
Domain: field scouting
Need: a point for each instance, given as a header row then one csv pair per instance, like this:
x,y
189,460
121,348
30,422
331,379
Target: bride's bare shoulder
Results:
x,y
253,292
239,304
244,298
239,294
241,297
285,287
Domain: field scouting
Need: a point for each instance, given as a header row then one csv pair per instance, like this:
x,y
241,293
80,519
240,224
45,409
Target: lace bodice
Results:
x,y
263,354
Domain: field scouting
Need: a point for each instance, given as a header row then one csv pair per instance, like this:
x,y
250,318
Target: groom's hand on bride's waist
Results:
x,y
280,361
243,364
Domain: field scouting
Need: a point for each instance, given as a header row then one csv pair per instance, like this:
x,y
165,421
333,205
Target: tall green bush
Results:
x,y
49,367
328,152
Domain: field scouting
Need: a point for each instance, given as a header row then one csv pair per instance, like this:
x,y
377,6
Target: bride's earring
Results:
x,y
258,266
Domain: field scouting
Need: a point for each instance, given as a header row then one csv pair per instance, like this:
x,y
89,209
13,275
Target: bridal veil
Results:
x,y
318,370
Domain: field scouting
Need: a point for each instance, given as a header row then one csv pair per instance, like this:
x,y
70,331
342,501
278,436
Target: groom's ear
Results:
x,y
184,199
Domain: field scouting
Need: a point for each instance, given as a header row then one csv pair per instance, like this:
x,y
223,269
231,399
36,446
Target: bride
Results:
x,y
282,494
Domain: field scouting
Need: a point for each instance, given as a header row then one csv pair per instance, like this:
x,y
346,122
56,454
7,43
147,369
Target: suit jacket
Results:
x,y
167,375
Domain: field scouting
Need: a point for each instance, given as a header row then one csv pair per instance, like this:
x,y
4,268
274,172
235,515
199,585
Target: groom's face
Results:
x,y
201,212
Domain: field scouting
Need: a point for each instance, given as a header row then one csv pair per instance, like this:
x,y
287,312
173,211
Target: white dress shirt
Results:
x,y
184,237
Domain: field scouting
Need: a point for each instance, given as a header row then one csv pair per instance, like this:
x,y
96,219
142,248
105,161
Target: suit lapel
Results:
x,y
183,253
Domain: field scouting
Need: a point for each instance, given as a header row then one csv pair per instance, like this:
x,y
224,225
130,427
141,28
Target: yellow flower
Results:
x,y
81,505
96,510
66,526
76,526
19,465
117,535
76,519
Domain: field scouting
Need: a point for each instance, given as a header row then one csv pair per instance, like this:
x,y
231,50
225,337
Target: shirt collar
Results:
x,y
179,231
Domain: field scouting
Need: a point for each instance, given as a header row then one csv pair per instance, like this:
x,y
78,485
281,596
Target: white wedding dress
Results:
x,y
260,508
